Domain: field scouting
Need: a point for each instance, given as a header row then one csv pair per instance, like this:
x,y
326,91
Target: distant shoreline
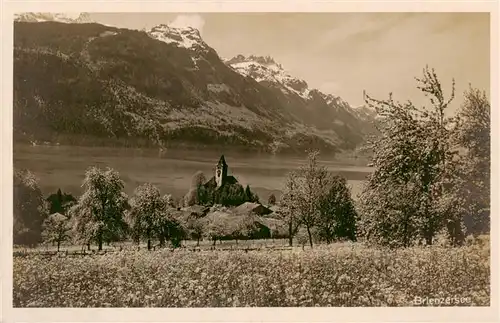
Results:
x,y
343,158
63,166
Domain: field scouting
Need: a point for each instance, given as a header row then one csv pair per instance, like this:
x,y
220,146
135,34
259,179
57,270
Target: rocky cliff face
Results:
x,y
325,112
88,83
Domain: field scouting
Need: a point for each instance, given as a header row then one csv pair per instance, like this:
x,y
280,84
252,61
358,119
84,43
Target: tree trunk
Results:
x,y
58,244
290,234
162,241
455,233
88,246
310,236
198,242
99,240
428,239
149,244
215,240
406,238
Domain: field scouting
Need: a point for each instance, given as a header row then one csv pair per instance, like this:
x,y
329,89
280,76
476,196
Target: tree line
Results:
x,y
105,214
431,176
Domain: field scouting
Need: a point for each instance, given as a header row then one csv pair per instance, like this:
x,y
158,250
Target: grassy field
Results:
x,y
343,274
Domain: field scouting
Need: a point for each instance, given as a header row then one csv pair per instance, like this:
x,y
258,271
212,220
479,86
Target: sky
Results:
x,y
346,53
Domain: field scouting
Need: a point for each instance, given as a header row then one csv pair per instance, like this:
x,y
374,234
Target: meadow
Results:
x,y
339,274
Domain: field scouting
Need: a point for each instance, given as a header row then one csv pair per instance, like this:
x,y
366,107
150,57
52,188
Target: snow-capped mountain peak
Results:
x,y
188,37
364,112
337,101
265,69
68,17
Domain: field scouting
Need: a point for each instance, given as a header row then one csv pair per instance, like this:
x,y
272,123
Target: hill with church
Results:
x,y
223,189
227,210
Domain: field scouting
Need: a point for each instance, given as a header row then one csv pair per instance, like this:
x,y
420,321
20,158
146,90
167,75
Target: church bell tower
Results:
x,y
221,171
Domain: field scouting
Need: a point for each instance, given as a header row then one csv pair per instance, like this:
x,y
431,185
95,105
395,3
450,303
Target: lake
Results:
x,y
171,170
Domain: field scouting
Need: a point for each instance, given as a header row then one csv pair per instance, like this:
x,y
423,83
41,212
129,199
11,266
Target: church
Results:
x,y
224,189
221,178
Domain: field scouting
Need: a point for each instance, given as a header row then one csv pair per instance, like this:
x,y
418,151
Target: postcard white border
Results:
x,y
9,314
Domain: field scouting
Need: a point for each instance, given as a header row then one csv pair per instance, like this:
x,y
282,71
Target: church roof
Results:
x,y
222,161
198,210
231,180
250,207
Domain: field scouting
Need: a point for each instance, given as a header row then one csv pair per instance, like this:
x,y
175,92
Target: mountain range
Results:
x,y
87,83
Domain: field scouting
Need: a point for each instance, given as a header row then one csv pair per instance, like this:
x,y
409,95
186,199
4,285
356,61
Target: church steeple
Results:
x,y
221,171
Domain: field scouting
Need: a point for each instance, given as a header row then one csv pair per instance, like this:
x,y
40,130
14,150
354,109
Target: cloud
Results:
x,y
183,21
358,29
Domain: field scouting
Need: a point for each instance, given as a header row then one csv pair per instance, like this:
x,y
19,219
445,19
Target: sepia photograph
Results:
x,y
251,159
